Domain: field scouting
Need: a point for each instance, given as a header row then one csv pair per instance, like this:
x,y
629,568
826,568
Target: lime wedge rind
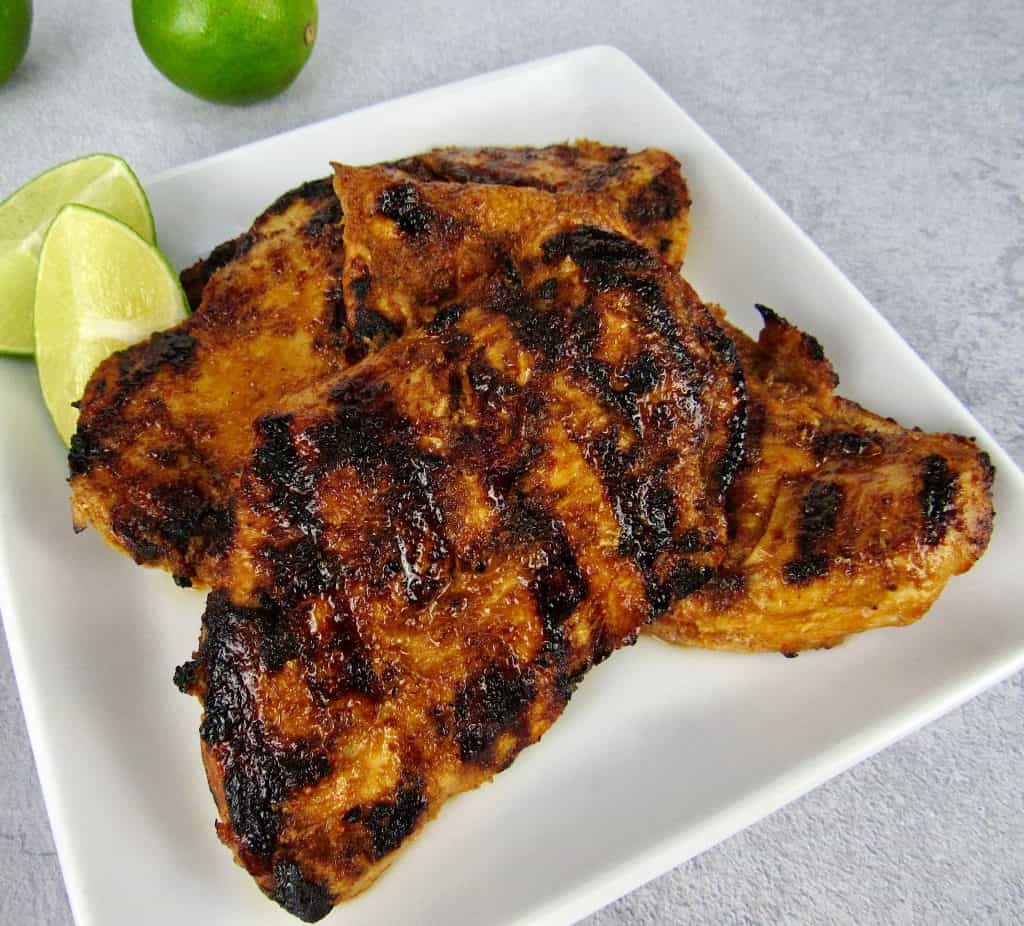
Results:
x,y
101,288
147,230
104,181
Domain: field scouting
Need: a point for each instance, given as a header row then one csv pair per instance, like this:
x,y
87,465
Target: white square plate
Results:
x,y
663,751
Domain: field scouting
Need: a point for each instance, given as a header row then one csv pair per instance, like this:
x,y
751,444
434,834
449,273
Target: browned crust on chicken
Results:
x,y
440,461
433,547
840,521
648,190
166,426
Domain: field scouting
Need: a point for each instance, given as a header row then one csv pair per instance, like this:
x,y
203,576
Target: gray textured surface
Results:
x,y
894,134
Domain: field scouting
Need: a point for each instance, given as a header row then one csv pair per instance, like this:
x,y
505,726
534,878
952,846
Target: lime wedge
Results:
x,y
100,288
99,180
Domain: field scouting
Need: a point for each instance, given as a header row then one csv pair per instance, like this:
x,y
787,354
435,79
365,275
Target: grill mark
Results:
x,y
136,365
258,773
734,455
86,452
685,579
659,201
592,248
165,456
403,205
558,585
186,515
644,506
390,823
454,344
343,665
833,444
585,332
660,318
258,776
803,570
455,390
502,472
337,313
611,262
368,433
312,190
277,464
326,218
424,549
445,318
302,569
371,325
361,286
937,497
819,514
548,289
641,375
133,533
181,520
818,517
536,329
303,897
489,385
725,588
490,704
645,509
365,418
232,639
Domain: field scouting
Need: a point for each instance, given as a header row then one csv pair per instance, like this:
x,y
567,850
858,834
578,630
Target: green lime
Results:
x,y
15,26
228,51
99,180
101,288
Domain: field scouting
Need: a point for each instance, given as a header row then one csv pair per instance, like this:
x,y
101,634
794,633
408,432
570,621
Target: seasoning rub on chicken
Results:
x,y
431,548
443,434
166,426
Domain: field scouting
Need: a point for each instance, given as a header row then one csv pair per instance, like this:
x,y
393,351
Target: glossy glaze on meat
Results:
x,y
840,520
166,426
432,548
445,433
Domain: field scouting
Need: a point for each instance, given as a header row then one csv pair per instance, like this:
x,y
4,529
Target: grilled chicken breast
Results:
x,y
166,426
840,520
431,548
443,435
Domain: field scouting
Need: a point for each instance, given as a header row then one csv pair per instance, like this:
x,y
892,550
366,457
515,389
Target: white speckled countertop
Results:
x,y
894,134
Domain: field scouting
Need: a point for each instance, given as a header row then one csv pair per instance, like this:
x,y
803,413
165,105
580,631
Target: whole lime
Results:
x,y
228,51
15,26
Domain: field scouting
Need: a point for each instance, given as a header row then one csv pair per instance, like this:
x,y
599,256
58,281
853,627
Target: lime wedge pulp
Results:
x,y
99,180
101,288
